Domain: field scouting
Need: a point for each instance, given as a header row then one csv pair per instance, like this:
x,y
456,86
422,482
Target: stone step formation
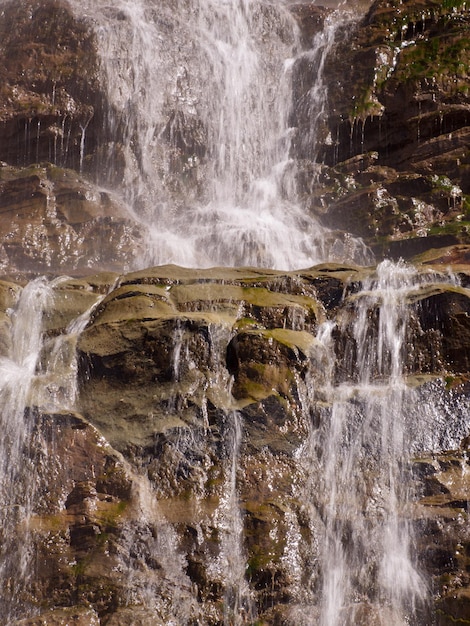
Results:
x,y
280,446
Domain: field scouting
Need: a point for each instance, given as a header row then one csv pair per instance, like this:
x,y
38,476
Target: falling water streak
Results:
x,y
18,371
62,137
38,135
154,540
58,380
366,564
231,564
316,99
229,568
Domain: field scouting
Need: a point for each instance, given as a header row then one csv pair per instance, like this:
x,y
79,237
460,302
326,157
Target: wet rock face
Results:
x,y
169,356
173,362
172,334
51,100
444,539
391,154
52,125
395,138
83,497
311,20
408,81
52,217
191,383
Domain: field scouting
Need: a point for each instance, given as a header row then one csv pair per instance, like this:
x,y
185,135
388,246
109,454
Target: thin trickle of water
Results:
x,y
315,101
239,607
57,384
153,565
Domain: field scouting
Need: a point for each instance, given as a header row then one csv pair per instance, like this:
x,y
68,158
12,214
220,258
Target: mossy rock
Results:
x,y
455,609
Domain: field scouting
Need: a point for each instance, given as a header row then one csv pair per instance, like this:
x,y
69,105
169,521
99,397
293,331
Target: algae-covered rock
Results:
x,y
183,338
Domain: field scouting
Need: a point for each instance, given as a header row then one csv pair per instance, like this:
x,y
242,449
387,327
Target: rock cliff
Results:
x,y
148,459
396,134
191,382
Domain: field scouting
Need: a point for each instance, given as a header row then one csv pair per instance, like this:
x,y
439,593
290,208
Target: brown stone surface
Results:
x,y
49,85
398,96
53,219
143,472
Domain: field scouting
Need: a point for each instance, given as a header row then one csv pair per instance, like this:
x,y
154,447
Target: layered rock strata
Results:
x,y
396,131
135,484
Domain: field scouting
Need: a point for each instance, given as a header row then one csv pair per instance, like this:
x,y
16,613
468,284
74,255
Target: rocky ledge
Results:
x,y
181,370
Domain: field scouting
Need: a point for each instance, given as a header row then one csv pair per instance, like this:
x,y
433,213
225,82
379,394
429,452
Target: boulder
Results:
x,y
146,333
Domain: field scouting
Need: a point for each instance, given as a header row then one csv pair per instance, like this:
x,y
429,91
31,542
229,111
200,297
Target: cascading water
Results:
x,y
36,373
205,137
238,605
201,137
17,483
364,460
364,539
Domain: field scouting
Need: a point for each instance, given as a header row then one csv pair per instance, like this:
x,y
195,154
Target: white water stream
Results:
x,y
372,422
200,91
17,475
370,575
36,375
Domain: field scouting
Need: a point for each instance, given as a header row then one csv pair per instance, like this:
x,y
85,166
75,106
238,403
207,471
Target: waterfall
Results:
x,y
364,460
18,456
198,143
200,97
36,373
362,449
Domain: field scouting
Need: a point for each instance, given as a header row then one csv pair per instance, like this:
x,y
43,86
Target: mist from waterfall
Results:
x,y
200,95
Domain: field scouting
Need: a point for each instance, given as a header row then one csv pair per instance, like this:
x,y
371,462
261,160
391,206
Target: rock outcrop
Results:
x,y
54,118
182,372
396,133
53,218
52,104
